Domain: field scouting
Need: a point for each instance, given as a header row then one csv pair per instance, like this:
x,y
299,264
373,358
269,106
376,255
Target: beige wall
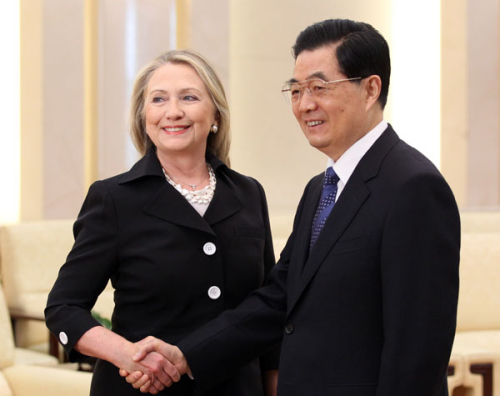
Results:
x,y
454,88
471,101
51,108
59,103
31,108
249,42
483,103
267,141
131,34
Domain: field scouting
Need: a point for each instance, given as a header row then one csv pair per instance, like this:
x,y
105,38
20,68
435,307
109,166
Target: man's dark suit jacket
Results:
x,y
371,310
138,231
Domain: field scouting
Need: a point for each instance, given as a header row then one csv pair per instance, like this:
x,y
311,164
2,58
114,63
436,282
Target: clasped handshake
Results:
x,y
155,365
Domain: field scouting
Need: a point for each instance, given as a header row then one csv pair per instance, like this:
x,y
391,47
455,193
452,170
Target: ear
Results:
x,y
373,86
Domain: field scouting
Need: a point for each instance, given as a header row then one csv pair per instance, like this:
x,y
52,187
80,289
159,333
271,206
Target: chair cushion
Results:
x,y
46,381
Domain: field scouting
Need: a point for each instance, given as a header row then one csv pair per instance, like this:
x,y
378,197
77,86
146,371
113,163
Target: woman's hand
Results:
x,y
152,374
107,345
148,349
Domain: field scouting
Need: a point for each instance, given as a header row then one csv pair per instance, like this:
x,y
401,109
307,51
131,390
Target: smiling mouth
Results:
x,y
175,130
314,123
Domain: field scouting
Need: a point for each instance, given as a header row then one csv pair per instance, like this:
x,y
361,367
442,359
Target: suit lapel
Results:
x,y
348,205
225,202
169,205
341,216
303,236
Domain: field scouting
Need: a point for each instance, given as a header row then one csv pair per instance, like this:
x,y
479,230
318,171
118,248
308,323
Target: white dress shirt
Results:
x,y
348,161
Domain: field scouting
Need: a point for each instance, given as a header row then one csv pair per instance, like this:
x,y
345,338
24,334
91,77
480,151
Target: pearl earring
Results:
x,y
214,128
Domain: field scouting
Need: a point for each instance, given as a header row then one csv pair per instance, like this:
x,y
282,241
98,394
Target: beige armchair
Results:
x,y
456,372
31,254
43,381
27,373
477,340
12,355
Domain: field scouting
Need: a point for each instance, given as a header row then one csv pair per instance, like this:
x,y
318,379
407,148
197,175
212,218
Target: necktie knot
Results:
x,y
331,177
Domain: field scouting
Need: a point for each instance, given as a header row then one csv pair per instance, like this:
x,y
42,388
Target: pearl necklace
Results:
x,y
203,196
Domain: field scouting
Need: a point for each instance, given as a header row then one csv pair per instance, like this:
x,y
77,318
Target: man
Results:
x,y
366,305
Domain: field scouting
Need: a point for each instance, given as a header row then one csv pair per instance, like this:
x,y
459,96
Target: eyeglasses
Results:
x,y
316,88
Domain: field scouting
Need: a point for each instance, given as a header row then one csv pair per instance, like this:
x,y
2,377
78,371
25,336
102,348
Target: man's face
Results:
x,y
333,121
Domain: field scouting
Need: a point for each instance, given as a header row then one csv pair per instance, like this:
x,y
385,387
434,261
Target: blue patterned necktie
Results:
x,y
325,205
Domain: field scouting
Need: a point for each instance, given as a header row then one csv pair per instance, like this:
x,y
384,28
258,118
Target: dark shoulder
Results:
x,y
406,160
407,172
239,180
315,181
144,174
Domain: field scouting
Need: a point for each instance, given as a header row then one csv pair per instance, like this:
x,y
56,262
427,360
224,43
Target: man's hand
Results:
x,y
161,373
148,353
104,344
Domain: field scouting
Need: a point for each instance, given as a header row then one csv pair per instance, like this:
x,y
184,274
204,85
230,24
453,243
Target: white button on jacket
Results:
x,y
63,337
214,292
209,248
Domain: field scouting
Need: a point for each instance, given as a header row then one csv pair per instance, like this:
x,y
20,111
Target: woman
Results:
x,y
181,236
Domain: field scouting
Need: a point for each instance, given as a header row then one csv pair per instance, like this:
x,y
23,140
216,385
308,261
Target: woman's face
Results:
x,y
178,111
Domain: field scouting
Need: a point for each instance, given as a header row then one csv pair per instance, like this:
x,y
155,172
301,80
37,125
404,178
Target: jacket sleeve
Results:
x,y
420,280
86,272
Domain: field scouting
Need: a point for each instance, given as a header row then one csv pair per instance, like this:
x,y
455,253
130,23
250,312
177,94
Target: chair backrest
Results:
x,y
31,254
480,221
479,298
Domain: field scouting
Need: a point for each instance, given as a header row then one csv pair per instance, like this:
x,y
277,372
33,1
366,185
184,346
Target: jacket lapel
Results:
x,y
169,205
225,202
340,217
303,235
348,205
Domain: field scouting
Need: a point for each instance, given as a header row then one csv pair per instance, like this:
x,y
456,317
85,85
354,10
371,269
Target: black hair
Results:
x,y
362,50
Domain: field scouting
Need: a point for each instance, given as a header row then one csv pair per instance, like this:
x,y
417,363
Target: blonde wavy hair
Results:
x,y
218,143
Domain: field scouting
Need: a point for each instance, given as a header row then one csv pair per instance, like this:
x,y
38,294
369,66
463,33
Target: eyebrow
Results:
x,y
182,91
319,75
154,91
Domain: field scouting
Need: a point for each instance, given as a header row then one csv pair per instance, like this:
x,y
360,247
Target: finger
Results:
x,y
134,377
148,388
153,390
145,388
145,341
141,381
143,351
169,372
164,379
124,373
158,385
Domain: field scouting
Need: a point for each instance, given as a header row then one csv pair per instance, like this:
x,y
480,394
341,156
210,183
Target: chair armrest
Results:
x,y
33,380
16,314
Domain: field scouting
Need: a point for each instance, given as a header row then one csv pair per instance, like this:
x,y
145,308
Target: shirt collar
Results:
x,y
149,165
345,165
